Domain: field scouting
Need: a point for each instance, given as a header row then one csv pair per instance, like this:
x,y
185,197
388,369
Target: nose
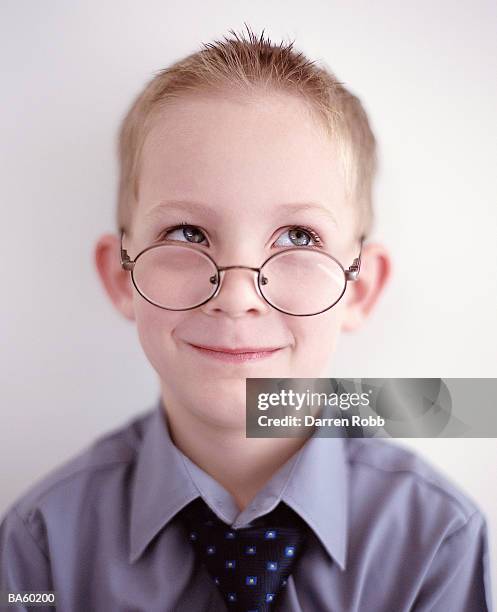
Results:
x,y
238,293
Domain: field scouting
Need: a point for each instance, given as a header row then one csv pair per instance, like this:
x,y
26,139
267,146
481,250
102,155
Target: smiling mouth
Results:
x,y
238,354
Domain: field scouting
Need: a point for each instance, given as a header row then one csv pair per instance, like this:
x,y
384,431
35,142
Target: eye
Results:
x,y
300,236
184,232
297,236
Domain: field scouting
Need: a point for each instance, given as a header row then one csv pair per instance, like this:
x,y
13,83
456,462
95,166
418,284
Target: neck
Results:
x,y
241,465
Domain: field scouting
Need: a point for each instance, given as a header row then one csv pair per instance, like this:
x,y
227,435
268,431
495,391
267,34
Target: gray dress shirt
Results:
x,y
388,533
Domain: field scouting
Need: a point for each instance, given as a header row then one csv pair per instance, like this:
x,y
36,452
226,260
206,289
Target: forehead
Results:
x,y
242,155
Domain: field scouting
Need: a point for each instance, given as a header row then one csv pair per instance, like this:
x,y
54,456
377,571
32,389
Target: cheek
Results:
x,y
316,339
155,327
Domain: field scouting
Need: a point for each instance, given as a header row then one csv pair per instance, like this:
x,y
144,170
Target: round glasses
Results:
x,y
296,281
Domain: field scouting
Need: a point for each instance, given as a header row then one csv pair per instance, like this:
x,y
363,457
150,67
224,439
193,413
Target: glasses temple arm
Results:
x,y
126,262
353,272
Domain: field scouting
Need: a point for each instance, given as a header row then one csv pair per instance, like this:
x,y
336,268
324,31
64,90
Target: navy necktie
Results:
x,y
249,565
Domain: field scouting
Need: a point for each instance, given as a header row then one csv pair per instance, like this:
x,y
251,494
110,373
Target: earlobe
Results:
x,y
362,294
115,280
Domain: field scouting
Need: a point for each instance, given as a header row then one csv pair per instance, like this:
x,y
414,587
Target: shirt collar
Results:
x,y
313,482
318,491
162,486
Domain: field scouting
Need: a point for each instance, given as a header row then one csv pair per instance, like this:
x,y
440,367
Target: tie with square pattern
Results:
x,y
249,565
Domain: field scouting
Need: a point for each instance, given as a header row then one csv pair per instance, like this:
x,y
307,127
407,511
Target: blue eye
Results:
x,y
299,236
191,233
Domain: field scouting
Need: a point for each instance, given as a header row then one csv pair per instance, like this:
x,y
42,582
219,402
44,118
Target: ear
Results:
x,y
363,293
116,281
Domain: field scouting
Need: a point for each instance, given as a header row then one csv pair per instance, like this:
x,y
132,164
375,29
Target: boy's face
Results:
x,y
242,161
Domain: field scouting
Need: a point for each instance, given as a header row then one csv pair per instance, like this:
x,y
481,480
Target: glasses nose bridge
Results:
x,y
223,268
251,268
260,278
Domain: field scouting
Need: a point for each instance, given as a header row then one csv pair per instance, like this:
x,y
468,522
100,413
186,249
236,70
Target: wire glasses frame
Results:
x,y
350,274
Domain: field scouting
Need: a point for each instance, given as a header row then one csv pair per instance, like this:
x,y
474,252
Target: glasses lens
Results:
x,y
175,277
302,282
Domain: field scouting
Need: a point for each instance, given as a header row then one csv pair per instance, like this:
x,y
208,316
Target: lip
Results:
x,y
236,355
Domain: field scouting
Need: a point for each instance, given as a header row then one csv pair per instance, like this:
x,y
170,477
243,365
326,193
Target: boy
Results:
x,y
232,156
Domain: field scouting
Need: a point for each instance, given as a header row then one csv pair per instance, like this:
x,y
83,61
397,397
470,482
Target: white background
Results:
x,y
71,368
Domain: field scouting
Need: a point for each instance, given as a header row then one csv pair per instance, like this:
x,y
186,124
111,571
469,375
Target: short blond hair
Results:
x,y
249,65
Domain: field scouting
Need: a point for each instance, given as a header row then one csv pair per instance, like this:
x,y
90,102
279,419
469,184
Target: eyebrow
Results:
x,y
207,211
